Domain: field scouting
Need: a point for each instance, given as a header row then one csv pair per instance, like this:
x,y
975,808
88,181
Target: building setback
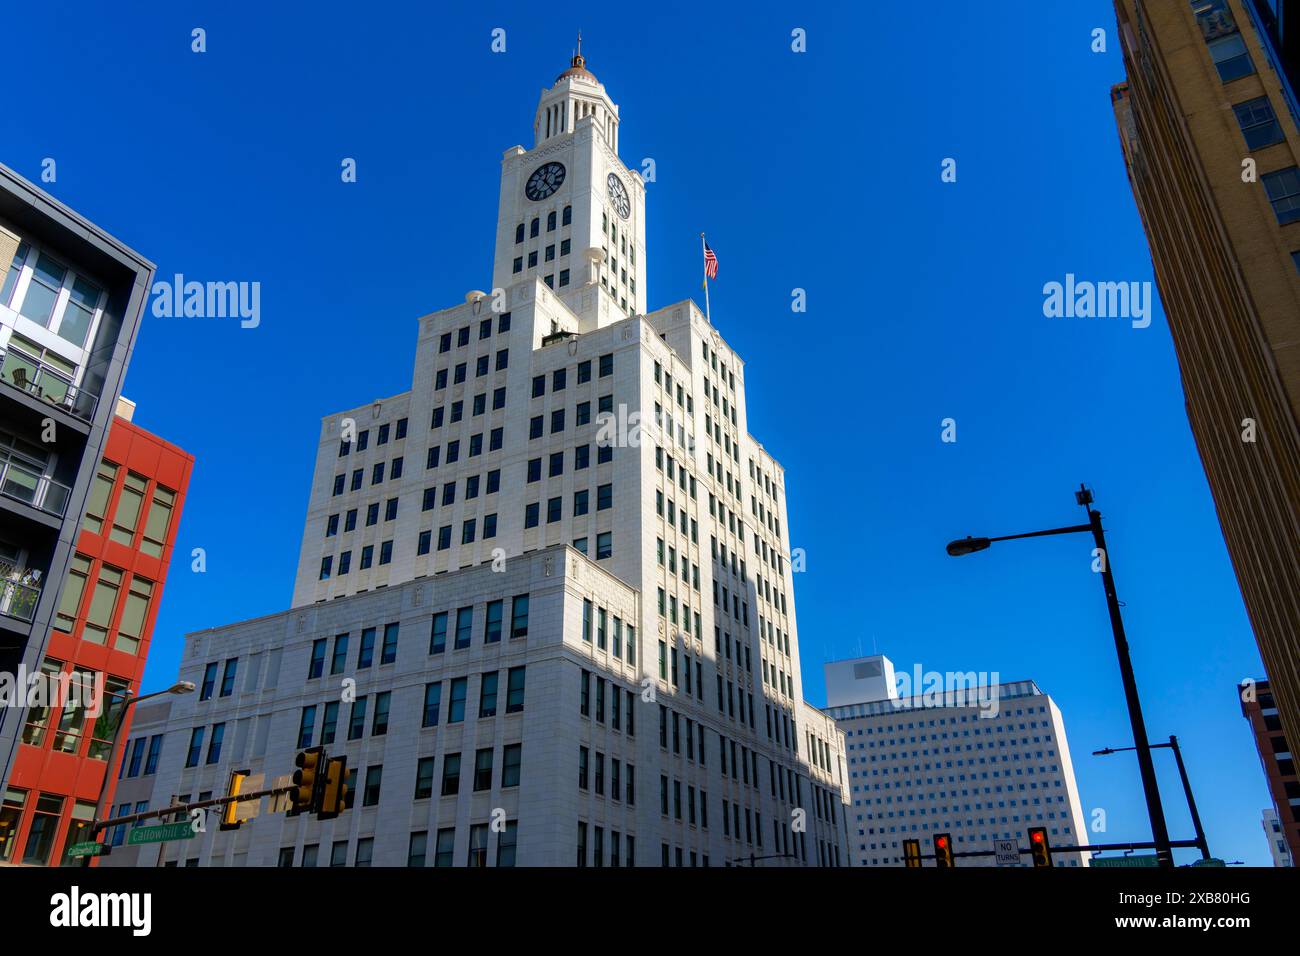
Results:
x,y
103,626
70,303
1208,124
543,601
1259,708
980,764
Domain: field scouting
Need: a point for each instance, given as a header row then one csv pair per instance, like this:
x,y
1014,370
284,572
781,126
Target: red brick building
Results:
x,y
104,623
1258,707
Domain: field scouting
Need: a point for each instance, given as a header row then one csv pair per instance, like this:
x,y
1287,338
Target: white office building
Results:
x,y
1276,836
544,600
980,761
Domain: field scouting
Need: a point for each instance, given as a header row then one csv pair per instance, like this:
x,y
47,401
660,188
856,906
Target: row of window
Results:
x,y
484,332
135,500
377,476
594,855
350,518
47,292
363,437
65,695
43,826
607,624
623,720
481,368
559,376
468,534
591,776
478,406
534,227
105,602
367,560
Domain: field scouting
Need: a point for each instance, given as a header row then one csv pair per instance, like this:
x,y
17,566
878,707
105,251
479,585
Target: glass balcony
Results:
x,y
23,483
20,592
48,381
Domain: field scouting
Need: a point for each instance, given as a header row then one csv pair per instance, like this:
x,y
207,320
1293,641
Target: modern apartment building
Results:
x,y
70,303
102,630
544,600
1208,125
1259,707
980,763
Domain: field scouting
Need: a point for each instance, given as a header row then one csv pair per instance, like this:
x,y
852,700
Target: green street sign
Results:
x,y
87,849
1145,859
1211,861
159,833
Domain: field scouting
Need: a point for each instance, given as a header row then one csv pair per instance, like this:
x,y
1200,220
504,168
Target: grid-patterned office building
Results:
x,y
979,763
544,600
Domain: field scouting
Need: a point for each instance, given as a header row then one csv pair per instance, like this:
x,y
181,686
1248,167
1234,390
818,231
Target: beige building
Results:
x,y
1207,120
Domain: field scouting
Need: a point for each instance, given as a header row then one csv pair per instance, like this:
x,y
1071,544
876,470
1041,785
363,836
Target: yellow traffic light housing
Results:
x,y
334,793
943,851
229,818
912,853
1038,846
305,796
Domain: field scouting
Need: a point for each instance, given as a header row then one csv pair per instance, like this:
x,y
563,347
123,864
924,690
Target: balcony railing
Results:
x,y
35,377
23,483
20,592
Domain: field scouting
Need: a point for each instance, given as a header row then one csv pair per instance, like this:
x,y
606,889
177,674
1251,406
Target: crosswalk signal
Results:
x,y
943,851
305,796
334,793
1038,849
911,853
229,818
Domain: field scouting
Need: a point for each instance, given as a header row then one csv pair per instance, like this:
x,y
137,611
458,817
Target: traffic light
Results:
x,y
305,796
229,819
1042,856
943,851
911,853
334,794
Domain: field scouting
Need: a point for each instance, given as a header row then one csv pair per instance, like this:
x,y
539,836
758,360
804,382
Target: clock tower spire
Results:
x,y
571,214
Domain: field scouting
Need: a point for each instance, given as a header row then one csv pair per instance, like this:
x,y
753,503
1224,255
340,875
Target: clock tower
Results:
x,y
571,214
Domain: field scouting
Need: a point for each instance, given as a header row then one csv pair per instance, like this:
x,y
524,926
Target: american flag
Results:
x,y
710,263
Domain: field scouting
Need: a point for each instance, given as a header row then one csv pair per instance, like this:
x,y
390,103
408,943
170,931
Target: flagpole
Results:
x,y
703,252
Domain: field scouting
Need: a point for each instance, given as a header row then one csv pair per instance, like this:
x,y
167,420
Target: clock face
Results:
x,y
618,196
544,181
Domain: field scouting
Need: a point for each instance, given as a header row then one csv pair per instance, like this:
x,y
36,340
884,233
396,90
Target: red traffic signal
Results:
x,y
1038,847
943,851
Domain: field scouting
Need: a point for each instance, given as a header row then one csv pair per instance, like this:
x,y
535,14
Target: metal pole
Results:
x,y
1191,801
108,772
1159,831
703,252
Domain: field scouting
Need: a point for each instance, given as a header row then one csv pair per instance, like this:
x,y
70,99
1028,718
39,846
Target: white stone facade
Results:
x,y
543,422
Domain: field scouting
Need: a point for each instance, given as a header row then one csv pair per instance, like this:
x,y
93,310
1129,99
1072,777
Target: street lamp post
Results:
x,y
1150,788
180,687
1201,842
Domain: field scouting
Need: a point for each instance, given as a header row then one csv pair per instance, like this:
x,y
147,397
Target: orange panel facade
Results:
x,y
105,621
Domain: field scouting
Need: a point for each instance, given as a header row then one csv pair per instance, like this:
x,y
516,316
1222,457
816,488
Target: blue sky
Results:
x,y
817,171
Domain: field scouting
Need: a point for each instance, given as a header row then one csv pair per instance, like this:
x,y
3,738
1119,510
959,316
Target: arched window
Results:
x,y
550,221
519,233
567,216
534,228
